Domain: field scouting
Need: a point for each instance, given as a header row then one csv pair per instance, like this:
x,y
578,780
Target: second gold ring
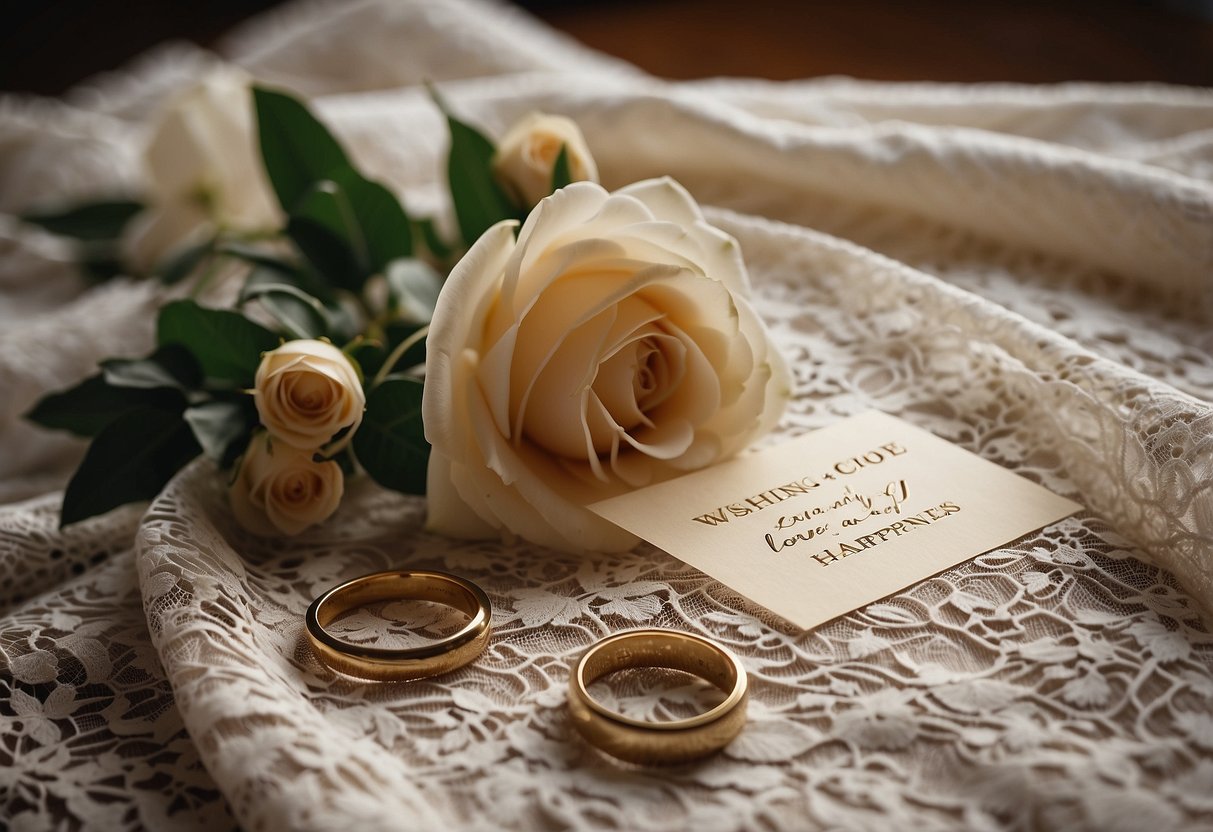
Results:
x,y
659,743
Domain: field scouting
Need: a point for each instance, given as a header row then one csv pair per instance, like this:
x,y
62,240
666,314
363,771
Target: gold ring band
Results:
x,y
383,664
659,743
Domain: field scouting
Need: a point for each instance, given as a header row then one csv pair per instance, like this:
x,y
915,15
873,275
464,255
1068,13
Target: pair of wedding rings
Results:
x,y
634,740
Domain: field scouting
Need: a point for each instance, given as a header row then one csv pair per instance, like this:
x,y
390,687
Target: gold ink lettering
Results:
x,y
807,534
712,518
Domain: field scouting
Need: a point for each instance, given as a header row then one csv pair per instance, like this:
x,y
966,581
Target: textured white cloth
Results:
x,y
1025,271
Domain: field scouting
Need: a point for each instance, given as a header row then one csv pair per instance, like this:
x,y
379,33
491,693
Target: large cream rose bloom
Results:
x,y
203,170
306,391
281,490
610,346
527,153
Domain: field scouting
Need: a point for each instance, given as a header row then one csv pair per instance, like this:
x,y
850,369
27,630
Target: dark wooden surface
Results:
x,y
45,47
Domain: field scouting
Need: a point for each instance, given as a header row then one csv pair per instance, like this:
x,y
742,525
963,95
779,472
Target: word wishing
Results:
x,y
799,487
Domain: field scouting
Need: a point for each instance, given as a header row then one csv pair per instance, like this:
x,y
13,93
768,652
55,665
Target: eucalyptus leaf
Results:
x,y
102,220
298,151
561,175
390,443
131,459
222,427
226,345
91,405
413,287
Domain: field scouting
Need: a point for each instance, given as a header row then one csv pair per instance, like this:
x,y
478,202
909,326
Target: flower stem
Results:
x,y
397,354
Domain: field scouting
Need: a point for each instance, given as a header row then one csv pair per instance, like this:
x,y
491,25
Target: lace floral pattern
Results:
x,y
1040,300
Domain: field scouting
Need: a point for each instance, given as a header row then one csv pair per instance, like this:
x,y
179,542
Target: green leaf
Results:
x,y
390,442
561,175
182,263
364,215
226,344
327,204
479,201
413,288
327,253
300,314
171,366
272,268
256,256
91,405
381,219
297,149
223,427
87,221
131,459
365,226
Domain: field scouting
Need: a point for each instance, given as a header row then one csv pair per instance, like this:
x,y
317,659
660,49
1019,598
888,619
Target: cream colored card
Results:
x,y
822,525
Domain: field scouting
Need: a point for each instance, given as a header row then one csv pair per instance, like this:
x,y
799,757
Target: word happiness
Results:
x,y
774,496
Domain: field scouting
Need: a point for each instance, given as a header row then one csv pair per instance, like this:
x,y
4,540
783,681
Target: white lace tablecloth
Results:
x,y
1025,271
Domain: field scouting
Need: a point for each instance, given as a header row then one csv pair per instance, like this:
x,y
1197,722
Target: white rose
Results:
x,y
306,391
610,346
203,170
280,490
528,151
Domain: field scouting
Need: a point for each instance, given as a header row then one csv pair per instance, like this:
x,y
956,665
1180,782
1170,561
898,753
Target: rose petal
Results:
x,y
461,310
563,309
721,258
449,513
542,502
550,412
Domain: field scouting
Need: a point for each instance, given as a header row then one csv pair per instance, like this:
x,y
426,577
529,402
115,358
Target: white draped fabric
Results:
x,y
1024,271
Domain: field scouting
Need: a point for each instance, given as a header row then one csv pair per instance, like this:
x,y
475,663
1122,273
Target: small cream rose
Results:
x,y
280,490
203,170
306,391
609,346
528,151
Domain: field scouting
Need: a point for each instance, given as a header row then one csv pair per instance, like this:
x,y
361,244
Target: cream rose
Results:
x,y
306,391
203,170
610,346
528,151
280,490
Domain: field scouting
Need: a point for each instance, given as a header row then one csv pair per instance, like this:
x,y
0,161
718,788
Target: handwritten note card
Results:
x,y
817,527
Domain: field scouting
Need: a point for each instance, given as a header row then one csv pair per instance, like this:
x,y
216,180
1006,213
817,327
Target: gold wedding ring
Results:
x,y
383,664
659,743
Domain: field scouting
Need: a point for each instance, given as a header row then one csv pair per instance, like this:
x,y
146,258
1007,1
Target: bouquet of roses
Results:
x,y
572,344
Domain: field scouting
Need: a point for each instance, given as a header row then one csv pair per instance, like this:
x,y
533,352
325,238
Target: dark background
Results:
x,y
45,47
